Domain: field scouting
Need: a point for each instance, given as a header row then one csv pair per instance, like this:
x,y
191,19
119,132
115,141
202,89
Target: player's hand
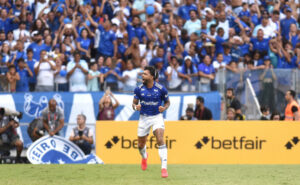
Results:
x,y
161,108
138,107
76,138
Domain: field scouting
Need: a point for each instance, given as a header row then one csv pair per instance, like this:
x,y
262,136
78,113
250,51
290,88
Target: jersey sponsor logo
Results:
x,y
149,103
34,108
57,150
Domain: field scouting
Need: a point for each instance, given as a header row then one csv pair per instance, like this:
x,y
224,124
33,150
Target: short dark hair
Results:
x,y
200,98
276,12
219,54
29,50
264,108
77,53
11,66
293,93
20,60
193,11
230,89
152,71
274,114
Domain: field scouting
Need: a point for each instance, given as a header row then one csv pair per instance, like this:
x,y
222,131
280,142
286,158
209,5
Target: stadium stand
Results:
x,y
197,46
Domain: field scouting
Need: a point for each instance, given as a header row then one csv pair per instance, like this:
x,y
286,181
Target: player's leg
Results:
x,y
142,146
158,130
143,132
162,148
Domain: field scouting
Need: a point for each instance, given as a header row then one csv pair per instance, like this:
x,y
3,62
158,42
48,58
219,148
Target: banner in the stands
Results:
x,y
31,104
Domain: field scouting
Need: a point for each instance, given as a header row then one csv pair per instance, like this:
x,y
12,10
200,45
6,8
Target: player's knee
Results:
x,y
141,144
160,141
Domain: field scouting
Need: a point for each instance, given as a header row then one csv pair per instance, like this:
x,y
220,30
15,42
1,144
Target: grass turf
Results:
x,y
132,174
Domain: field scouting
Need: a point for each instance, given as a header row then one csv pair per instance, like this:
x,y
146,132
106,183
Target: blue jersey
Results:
x,y
260,45
37,50
184,11
151,99
106,44
285,26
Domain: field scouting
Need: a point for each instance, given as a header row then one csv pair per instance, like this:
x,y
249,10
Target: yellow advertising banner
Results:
x,y
204,142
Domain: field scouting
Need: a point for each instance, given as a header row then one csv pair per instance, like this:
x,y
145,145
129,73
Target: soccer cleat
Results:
x,y
144,163
164,173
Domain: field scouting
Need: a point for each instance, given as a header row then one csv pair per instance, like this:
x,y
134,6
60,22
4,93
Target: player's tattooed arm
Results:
x,y
136,105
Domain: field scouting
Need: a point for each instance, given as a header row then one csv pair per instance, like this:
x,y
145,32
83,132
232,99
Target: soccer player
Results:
x,y
148,99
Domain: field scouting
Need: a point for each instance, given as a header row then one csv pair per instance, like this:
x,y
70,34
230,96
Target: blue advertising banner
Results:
x,y
31,104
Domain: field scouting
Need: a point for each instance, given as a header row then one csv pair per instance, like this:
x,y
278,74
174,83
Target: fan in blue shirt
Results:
x,y
135,30
6,23
285,23
184,11
108,41
31,62
245,12
25,73
84,43
37,46
260,43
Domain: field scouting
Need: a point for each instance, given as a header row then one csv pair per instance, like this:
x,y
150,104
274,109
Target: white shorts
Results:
x,y
146,122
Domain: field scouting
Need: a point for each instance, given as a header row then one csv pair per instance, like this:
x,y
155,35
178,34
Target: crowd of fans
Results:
x,y
88,45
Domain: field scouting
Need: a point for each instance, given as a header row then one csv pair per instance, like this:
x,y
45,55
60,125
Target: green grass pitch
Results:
x,y
132,174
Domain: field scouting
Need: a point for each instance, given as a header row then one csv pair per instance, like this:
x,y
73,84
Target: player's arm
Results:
x,y
165,98
136,105
165,107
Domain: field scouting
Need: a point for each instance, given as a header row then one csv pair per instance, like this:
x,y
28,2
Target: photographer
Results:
x,y
8,134
82,136
53,118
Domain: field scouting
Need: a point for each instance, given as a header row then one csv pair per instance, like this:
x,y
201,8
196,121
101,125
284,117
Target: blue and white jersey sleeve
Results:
x,y
164,94
137,93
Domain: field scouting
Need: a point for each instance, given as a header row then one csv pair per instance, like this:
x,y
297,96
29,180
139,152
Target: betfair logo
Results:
x,y
202,142
128,143
236,143
110,143
293,142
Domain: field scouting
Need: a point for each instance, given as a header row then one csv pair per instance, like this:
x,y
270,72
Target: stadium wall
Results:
x,y
202,142
31,104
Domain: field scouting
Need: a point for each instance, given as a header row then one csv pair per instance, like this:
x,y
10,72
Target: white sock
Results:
x,y
163,154
143,152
